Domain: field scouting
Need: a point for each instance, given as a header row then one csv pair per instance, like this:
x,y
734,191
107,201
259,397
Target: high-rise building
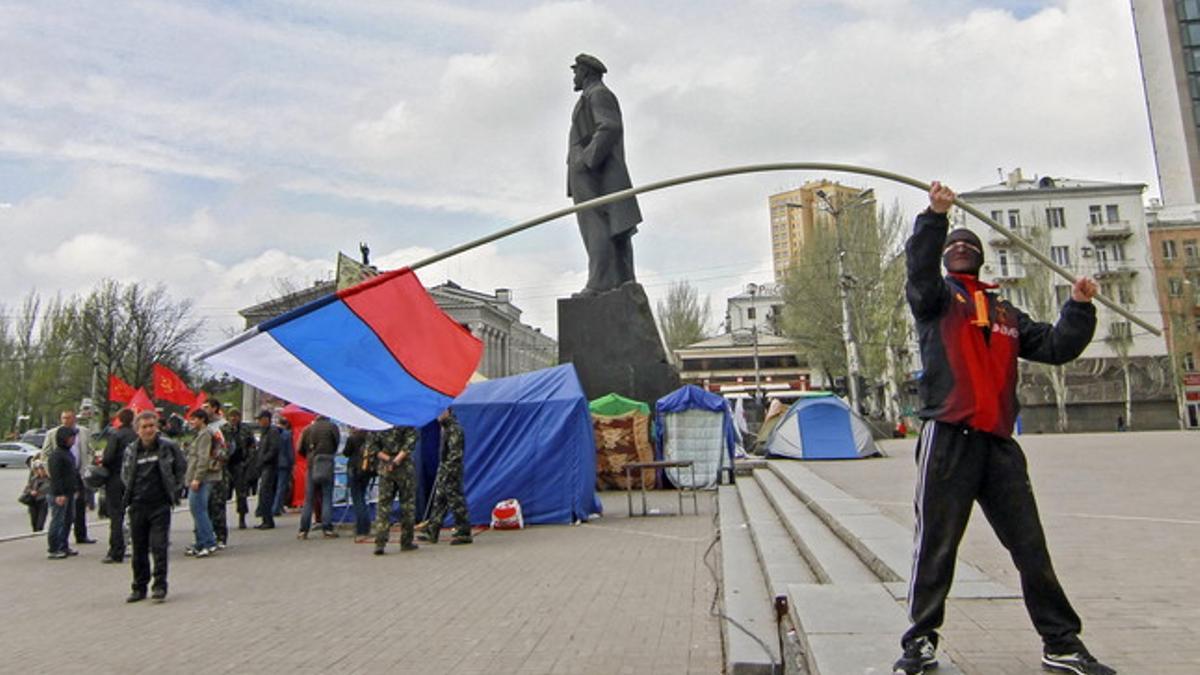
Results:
x,y
795,214
1168,36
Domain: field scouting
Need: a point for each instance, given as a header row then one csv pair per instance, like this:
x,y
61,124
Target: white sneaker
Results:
x,y
204,553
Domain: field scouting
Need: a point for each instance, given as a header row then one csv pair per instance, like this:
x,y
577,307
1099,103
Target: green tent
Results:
x,y
612,405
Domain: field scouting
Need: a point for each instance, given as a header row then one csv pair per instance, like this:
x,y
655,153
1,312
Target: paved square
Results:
x,y
1122,517
616,595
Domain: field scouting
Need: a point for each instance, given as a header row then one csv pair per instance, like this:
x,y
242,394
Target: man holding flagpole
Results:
x,y
970,340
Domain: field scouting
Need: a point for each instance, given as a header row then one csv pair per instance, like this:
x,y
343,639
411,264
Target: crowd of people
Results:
x,y
143,473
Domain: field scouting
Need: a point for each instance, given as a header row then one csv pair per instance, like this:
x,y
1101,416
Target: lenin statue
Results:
x,y
596,167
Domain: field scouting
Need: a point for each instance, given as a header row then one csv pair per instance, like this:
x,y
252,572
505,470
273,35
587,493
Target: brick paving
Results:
x,y
1122,518
616,595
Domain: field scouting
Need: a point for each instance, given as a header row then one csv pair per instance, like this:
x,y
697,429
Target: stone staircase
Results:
x,y
840,565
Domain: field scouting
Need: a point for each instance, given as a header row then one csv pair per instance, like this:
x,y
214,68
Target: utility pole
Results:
x,y
853,360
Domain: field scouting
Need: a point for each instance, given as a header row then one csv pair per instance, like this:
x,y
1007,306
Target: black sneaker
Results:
x,y
378,550
136,596
408,547
1079,662
158,595
920,655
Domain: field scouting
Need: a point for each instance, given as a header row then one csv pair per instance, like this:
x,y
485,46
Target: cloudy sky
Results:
x,y
217,147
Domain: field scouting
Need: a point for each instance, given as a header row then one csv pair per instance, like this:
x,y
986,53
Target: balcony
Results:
x,y
1106,269
1005,272
997,239
1119,229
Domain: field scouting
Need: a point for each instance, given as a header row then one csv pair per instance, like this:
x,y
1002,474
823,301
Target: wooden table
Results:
x,y
638,466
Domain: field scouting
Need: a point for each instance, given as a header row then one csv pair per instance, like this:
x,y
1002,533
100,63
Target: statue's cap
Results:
x,y
591,62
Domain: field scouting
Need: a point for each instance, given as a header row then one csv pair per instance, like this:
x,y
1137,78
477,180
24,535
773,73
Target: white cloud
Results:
x,y
227,146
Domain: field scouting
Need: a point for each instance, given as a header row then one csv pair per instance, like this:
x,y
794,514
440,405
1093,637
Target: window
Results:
x,y
1095,216
1174,287
998,216
1189,9
1118,251
1014,219
1106,290
1168,249
1189,362
1124,294
1061,293
1061,255
750,313
1119,330
1112,214
1189,249
1015,294
1055,219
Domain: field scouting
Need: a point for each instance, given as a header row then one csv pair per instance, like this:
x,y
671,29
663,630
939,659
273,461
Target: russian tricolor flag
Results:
x,y
375,355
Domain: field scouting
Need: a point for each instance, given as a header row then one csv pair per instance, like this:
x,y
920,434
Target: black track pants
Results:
x,y
956,467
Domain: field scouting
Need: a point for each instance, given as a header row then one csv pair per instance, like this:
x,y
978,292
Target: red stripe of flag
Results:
x,y
432,347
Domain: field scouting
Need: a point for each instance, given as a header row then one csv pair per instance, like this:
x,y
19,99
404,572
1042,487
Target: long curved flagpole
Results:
x,y
780,166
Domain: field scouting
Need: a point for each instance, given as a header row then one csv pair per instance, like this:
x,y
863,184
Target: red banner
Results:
x,y
197,402
141,402
119,391
170,387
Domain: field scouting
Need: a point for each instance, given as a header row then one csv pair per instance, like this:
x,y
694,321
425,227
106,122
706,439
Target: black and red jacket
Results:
x,y
969,353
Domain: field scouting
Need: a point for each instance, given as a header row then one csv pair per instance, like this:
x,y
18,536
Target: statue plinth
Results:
x,y
612,340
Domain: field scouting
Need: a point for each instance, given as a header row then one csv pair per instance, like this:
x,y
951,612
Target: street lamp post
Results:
x,y
852,356
752,289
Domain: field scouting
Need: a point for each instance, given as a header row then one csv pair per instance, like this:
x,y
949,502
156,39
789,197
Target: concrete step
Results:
x,y
850,628
884,545
781,561
744,594
831,561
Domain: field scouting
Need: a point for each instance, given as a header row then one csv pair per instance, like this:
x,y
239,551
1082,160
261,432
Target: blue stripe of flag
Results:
x,y
333,342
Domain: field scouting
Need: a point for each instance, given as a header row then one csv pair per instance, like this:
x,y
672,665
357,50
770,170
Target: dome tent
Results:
x,y
821,427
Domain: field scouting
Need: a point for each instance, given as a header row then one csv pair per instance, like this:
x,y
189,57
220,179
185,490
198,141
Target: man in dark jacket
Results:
x,y
114,489
153,472
64,488
596,167
269,444
970,340
243,461
319,444
360,469
283,471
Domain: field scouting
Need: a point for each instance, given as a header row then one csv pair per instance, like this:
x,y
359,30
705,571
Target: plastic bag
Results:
x,y
506,515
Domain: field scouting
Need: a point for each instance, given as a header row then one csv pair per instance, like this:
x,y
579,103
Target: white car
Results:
x,y
17,453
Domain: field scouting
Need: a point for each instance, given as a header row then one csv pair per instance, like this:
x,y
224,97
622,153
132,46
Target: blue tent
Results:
x,y
529,437
693,424
821,428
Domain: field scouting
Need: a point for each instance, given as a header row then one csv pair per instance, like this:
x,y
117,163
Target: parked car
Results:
x,y
34,437
17,453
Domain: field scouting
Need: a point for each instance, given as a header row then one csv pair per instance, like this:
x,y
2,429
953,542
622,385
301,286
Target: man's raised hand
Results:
x,y
941,198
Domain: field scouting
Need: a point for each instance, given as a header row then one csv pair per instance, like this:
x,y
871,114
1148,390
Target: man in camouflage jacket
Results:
x,y
393,449
448,489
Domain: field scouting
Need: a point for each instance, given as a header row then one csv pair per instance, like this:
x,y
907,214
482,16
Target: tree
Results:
x,y
51,351
871,243
103,326
160,330
1044,299
682,318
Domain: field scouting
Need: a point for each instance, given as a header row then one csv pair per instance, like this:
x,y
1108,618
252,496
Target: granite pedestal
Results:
x,y
614,344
